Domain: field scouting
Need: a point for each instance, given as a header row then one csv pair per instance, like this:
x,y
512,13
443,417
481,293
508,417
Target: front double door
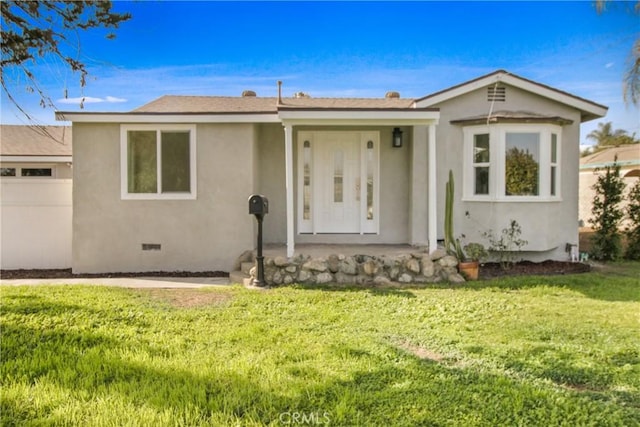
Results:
x,y
338,182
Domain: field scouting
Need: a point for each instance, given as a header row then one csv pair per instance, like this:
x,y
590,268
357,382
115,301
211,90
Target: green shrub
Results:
x,y
633,229
607,214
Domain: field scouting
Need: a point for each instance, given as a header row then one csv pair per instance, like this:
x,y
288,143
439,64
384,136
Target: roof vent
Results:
x,y
392,95
247,93
496,93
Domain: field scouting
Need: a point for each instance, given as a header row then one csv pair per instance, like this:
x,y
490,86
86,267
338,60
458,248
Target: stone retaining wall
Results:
x,y
417,267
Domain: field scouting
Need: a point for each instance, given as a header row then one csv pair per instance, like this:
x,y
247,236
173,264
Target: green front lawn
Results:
x,y
529,351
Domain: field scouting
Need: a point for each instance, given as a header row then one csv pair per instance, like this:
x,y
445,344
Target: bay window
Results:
x,y
481,163
512,162
158,162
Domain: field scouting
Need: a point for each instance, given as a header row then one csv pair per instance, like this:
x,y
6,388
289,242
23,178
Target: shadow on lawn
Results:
x,y
611,282
397,389
391,387
595,285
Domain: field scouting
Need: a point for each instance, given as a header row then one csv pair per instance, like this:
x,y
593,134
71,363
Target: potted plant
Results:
x,y
469,265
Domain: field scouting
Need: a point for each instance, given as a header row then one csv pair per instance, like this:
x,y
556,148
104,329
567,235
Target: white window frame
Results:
x,y
497,143
19,168
159,195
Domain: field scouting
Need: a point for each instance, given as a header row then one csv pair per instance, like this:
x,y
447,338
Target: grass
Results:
x,y
527,351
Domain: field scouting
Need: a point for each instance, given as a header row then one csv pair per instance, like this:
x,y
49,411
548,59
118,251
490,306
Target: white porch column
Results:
x,y
418,202
288,156
433,208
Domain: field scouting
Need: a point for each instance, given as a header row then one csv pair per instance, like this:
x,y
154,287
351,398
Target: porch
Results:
x,y
345,182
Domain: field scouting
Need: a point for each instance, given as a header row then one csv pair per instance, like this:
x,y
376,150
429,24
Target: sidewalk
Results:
x,y
125,282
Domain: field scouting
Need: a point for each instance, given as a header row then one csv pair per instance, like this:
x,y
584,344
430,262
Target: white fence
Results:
x,y
36,223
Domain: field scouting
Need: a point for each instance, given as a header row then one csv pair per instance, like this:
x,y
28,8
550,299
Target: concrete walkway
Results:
x,y
126,282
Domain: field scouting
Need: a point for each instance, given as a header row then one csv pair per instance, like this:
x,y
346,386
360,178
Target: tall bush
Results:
x,y
633,229
607,213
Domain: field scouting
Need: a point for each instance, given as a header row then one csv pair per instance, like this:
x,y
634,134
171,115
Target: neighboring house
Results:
x,y
35,197
165,187
628,158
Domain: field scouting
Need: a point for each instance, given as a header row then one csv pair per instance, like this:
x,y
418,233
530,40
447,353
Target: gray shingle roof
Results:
x,y
17,140
269,105
627,155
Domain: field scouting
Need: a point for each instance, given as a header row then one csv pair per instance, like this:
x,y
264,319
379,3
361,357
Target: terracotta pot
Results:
x,y
469,269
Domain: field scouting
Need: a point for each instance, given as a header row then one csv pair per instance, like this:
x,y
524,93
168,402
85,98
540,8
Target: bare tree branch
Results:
x,y
34,30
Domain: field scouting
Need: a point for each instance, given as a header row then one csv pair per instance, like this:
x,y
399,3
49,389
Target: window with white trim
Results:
x,y
158,161
28,171
512,162
481,163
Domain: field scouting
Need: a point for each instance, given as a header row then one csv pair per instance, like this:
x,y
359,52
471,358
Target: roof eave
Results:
x,y
35,158
386,117
481,121
145,117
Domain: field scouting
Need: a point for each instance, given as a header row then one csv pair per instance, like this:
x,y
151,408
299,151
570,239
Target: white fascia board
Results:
x,y
353,117
538,89
165,118
36,159
561,97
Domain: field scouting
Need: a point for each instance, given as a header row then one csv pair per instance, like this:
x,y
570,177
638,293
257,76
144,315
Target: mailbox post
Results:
x,y
259,206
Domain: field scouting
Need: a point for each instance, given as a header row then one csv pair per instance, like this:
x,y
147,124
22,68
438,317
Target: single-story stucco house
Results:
x,y
165,187
35,202
592,165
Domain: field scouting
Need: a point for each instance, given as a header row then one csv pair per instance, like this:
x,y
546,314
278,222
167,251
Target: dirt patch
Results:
x,y
67,274
431,356
186,298
492,270
421,352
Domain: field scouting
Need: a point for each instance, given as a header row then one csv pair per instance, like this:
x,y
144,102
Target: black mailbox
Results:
x,y
258,205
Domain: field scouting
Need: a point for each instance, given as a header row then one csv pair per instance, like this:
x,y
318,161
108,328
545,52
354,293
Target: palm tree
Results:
x,y
631,79
605,135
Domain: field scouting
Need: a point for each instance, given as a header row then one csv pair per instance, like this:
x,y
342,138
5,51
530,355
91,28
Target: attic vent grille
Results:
x,y
496,93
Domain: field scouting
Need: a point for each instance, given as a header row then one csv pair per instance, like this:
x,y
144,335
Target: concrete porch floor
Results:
x,y
324,250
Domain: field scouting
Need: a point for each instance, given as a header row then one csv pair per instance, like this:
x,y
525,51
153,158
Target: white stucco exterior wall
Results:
x,y
204,234
547,226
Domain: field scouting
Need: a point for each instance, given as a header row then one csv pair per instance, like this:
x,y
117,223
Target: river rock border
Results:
x,y
418,267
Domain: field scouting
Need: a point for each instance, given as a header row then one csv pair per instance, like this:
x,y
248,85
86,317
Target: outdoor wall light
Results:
x,y
397,138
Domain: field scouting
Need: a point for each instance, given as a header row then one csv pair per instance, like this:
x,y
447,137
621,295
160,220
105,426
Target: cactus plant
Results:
x,y
451,244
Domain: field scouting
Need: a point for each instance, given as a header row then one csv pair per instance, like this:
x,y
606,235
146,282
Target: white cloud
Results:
x,y
90,100
114,99
608,65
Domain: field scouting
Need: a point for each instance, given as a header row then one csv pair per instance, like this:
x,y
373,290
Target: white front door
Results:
x,y
338,188
338,179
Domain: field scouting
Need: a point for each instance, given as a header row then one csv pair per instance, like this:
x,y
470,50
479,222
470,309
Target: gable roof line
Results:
x,y
594,109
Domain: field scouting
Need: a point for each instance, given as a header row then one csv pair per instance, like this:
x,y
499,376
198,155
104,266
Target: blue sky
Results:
x,y
352,49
